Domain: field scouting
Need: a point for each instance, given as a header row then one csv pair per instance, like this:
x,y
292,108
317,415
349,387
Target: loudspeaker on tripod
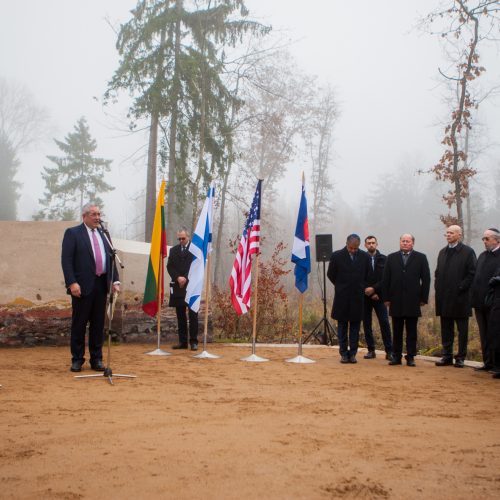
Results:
x,y
323,247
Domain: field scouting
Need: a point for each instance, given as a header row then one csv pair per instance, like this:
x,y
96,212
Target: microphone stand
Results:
x,y
110,300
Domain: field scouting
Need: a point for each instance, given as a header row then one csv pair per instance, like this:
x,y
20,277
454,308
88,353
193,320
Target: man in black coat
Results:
x,y
456,265
494,324
348,271
405,288
487,263
87,267
178,264
374,302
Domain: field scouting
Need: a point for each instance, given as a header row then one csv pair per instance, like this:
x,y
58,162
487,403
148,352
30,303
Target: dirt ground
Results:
x,y
215,429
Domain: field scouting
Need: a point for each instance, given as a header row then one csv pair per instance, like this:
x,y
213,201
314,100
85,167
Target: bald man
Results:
x,y
456,266
487,264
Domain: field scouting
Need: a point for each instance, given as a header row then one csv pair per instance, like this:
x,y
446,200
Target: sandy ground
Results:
x,y
217,429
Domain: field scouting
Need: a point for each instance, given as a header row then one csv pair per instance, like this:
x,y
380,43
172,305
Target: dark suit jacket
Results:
x,y
374,278
349,278
487,264
453,278
178,264
77,259
405,287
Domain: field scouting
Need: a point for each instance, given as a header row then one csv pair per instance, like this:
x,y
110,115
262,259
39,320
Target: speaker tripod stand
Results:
x,y
323,332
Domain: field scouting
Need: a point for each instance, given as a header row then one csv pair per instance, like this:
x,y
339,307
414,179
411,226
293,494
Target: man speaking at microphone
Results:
x,y
86,264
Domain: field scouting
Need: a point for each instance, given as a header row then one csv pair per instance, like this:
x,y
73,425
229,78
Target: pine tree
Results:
x,y
76,178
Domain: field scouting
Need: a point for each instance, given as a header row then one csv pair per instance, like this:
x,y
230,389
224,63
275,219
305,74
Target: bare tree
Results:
x,y
319,144
465,26
21,125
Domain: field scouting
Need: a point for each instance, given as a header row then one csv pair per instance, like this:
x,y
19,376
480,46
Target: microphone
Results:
x,y
103,225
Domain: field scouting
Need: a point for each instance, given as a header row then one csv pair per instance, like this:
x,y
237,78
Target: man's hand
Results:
x,y
116,288
75,290
182,281
369,291
374,296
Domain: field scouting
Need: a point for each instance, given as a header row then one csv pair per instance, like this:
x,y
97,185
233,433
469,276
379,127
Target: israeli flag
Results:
x,y
200,247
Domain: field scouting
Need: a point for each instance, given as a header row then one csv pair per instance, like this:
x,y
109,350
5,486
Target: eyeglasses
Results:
x,y
182,239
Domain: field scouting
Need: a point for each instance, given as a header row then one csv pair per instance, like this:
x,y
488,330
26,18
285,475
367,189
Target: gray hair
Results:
x,y
86,208
183,229
408,234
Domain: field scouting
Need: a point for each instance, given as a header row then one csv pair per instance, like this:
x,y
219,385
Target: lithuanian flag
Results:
x,y
153,293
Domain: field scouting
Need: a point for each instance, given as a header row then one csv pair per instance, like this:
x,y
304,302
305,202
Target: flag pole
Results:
x,y
158,351
205,354
303,220
301,303
253,357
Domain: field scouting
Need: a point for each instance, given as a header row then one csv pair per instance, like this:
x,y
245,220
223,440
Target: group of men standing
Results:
x,y
398,286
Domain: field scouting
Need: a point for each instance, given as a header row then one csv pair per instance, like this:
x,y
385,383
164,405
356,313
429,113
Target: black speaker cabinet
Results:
x,y
323,247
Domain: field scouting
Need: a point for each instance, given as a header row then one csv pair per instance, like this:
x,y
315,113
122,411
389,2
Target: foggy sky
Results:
x,y
384,72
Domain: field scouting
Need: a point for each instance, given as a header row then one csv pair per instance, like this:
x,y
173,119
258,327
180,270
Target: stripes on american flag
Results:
x,y
241,274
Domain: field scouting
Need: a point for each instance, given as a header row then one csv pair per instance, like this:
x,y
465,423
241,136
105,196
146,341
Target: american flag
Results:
x,y
241,274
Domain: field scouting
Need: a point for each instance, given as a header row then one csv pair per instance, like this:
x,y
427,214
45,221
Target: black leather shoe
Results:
x,y
97,366
444,362
353,360
496,375
459,363
370,355
410,362
344,359
194,346
180,346
394,361
76,366
388,356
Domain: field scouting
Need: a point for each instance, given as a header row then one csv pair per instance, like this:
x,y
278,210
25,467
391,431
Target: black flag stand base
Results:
x,y
323,332
108,373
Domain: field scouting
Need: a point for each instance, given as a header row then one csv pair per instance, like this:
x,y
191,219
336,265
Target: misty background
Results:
x,y
390,108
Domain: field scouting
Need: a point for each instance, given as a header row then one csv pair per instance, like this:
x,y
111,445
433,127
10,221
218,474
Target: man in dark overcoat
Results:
x,y
178,264
456,265
348,270
405,288
494,324
487,263
88,270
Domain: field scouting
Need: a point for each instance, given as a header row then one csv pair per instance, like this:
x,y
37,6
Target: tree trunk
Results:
x,y
171,200
151,177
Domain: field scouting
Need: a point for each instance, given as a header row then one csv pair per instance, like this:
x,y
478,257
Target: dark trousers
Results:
x,y
383,320
398,326
448,334
348,334
89,309
183,325
482,316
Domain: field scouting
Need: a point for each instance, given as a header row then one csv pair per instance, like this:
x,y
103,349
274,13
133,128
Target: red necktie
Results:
x,y
98,254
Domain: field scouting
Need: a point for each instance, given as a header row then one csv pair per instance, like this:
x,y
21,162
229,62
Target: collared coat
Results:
x,y
406,287
178,264
349,278
78,262
453,279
